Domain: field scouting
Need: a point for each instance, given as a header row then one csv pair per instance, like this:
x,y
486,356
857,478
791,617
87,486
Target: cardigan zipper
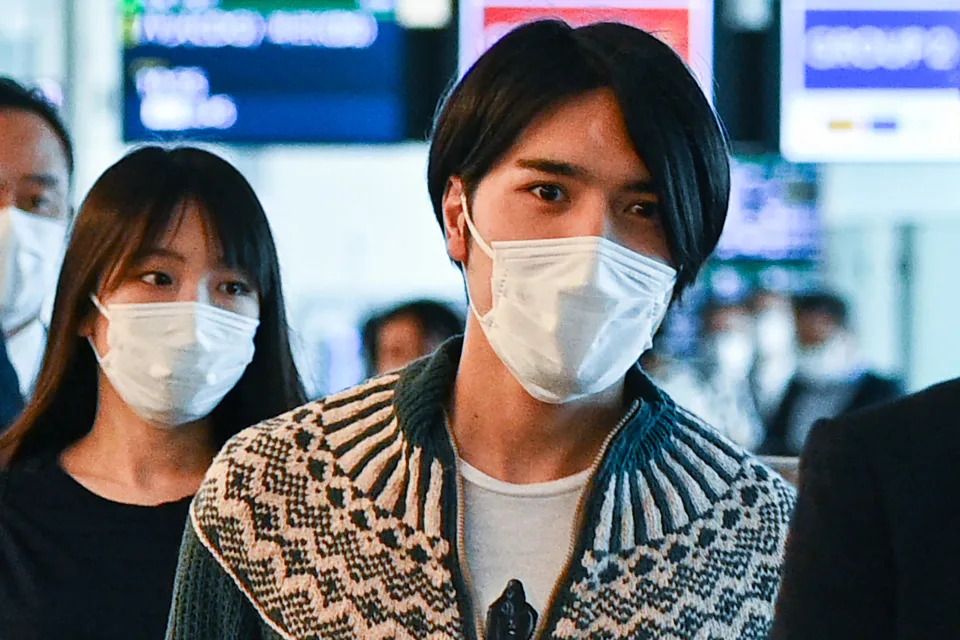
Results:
x,y
540,630
461,537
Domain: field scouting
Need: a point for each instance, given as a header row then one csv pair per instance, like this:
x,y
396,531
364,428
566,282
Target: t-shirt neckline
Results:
x,y
551,488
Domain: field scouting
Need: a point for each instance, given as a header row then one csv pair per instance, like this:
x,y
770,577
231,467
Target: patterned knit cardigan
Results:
x,y
339,520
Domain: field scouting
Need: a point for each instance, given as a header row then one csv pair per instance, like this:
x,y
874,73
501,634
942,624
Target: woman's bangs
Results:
x,y
242,238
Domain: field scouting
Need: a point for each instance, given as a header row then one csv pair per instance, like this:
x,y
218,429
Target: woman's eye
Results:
x,y
236,289
157,279
548,192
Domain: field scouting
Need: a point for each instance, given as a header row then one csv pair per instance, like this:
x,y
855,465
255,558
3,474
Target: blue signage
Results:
x,y
846,49
277,75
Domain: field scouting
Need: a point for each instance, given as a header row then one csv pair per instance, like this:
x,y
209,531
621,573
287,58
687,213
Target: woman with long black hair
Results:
x,y
168,336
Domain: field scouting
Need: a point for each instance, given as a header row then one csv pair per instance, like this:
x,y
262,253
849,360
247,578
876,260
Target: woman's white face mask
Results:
x,y
173,362
570,316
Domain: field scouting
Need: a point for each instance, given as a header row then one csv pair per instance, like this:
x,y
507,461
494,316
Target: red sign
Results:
x,y
670,25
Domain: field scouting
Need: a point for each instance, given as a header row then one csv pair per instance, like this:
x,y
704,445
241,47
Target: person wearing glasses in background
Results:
x,y
168,337
527,480
36,164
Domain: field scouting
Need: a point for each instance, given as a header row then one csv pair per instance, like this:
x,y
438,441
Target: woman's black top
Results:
x,y
74,565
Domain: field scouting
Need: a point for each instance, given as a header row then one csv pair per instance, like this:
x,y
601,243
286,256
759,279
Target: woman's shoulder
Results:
x,y
30,473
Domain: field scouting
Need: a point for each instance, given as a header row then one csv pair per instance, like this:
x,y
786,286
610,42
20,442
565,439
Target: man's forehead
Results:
x,y
30,146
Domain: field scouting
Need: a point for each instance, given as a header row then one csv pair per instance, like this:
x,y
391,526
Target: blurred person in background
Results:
x,y
727,346
174,290
675,375
727,355
687,383
776,344
394,338
528,476
831,379
36,163
713,385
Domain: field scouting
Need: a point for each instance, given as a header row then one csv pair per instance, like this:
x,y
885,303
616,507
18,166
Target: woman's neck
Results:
x,y
506,433
127,459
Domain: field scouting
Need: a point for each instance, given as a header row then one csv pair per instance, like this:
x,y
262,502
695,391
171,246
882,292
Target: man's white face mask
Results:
x,y
31,252
570,316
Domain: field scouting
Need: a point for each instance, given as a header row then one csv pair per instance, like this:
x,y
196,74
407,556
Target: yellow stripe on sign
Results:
x,y
842,125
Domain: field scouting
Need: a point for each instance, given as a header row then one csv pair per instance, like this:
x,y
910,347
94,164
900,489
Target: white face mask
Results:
x,y
570,316
31,251
732,353
173,362
776,331
836,360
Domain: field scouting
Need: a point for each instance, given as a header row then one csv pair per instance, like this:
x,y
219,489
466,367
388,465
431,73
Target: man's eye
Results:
x,y
548,192
39,204
647,209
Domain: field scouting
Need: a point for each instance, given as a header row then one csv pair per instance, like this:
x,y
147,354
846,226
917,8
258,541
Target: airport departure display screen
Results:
x,y
870,80
261,71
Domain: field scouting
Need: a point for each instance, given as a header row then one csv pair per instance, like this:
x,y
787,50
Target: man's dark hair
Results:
x,y
437,320
822,302
673,128
14,95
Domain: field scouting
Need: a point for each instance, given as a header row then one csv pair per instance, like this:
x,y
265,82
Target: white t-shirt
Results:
x,y
520,531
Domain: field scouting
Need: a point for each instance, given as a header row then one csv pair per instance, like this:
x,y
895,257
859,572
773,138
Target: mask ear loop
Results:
x,y
473,229
99,305
103,311
480,242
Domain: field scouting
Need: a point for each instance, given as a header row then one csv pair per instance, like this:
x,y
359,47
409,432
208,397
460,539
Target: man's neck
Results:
x,y
503,431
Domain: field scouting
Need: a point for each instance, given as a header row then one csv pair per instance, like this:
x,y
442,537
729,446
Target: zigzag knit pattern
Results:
x,y
337,521
292,512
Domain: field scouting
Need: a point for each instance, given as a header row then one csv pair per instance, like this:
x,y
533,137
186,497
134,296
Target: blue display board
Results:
x,y
773,213
263,71
871,80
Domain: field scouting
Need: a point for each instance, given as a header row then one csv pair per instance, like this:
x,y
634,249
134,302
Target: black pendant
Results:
x,y
511,617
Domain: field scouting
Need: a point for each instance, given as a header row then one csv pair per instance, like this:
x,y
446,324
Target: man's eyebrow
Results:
x,y
555,167
46,180
570,170
642,186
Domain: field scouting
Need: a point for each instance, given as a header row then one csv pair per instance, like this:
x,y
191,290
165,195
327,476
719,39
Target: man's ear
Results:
x,y
454,223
